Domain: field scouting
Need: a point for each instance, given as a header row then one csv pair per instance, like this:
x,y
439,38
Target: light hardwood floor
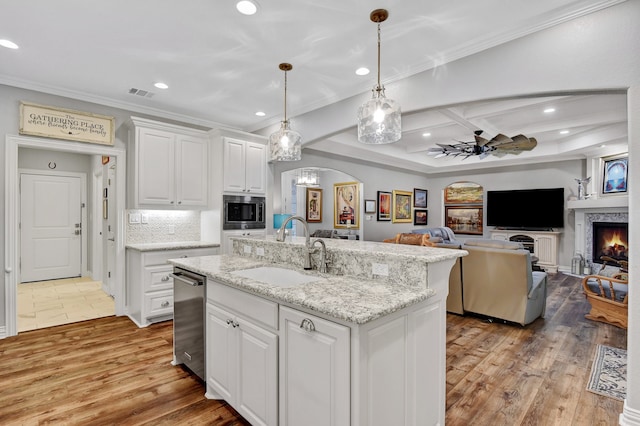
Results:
x,y
45,304
108,371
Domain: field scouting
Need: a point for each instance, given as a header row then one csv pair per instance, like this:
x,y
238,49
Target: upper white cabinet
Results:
x,y
245,165
168,166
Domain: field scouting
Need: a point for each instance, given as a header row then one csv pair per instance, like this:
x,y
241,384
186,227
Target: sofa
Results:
x,y
496,279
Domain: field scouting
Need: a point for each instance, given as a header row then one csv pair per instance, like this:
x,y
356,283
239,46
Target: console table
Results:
x,y
542,244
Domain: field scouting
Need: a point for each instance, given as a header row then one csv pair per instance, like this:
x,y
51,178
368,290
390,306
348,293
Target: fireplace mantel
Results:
x,y
621,201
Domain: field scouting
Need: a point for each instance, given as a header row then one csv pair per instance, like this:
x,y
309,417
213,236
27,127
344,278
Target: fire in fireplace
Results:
x,y
610,239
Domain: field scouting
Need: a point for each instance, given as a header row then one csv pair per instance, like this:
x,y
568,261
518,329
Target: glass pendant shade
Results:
x,y
285,144
379,120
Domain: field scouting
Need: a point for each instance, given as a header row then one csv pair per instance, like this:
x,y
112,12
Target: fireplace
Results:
x,y
610,239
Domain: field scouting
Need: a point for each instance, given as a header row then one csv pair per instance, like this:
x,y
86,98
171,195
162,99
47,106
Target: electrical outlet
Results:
x,y
144,218
260,251
247,249
134,217
172,229
381,269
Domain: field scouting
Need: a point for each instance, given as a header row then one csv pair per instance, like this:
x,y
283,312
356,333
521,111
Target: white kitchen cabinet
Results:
x,y
314,370
149,286
242,353
227,243
245,166
168,166
542,244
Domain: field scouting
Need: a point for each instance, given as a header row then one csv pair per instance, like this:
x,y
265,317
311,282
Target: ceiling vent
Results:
x,y
140,92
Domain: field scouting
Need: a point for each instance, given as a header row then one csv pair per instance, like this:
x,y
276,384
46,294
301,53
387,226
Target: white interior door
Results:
x,y
51,220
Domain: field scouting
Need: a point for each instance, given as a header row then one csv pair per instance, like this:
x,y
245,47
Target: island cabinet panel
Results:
x,y
242,356
399,368
314,370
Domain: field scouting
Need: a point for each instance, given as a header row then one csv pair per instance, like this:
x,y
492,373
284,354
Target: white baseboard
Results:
x,y
3,332
629,416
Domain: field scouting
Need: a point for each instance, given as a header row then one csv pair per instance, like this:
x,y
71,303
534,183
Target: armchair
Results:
x,y
608,297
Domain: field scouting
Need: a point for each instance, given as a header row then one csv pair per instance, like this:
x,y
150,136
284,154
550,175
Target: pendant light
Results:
x,y
285,144
379,119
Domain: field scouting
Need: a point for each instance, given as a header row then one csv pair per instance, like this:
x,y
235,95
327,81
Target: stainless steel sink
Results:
x,y
275,276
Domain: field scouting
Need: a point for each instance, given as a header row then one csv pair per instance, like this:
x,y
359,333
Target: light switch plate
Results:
x,y
381,269
134,217
260,251
144,218
247,249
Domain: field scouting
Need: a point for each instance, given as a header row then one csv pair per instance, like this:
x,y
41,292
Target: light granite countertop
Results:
x,y
342,297
171,246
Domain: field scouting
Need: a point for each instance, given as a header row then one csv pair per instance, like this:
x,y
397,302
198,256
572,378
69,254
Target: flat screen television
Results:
x,y
534,209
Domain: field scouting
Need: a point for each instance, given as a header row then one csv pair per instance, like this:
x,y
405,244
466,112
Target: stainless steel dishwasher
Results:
x,y
188,320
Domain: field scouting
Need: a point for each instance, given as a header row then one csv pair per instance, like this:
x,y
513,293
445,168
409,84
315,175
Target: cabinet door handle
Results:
x,y
179,202
165,304
165,278
171,202
307,325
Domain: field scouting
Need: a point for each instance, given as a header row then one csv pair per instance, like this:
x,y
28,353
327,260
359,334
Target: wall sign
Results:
x,y
59,123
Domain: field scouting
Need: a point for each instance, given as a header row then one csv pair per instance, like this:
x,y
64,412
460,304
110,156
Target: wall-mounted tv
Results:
x,y
534,209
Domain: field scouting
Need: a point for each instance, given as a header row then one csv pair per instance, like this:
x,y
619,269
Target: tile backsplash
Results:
x,y
163,226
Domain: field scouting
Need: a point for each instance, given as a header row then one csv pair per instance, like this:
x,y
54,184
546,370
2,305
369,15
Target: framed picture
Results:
x,y
420,198
420,217
464,220
384,206
346,202
463,193
369,206
401,207
314,205
614,178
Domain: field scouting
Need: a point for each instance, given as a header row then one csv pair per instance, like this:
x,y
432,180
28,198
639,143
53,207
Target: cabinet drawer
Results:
x,y
158,278
158,303
252,307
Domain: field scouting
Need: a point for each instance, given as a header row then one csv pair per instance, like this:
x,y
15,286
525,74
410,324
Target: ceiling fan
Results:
x,y
500,145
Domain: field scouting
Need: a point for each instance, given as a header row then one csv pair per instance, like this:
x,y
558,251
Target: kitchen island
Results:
x,y
363,344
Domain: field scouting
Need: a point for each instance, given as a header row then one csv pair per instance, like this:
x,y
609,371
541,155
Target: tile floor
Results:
x,y
45,304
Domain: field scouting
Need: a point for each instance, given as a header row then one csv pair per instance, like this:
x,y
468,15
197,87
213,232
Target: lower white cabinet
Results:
x,y
242,356
542,244
149,284
276,364
314,370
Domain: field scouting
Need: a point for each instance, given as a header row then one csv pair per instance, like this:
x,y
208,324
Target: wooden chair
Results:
x,y
608,297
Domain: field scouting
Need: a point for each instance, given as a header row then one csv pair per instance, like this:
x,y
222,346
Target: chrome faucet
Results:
x,y
280,236
322,267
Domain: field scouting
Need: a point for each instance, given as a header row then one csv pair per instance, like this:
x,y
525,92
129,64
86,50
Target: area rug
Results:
x,y
609,373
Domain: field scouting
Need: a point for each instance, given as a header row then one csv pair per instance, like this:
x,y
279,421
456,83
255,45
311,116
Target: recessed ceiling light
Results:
x,y
362,71
564,132
247,7
260,113
426,135
8,44
549,110
161,85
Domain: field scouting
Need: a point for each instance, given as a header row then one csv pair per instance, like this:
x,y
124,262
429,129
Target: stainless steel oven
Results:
x,y
243,212
188,320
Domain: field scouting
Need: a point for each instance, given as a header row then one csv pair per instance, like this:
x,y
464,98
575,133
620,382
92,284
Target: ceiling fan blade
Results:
x,y
499,139
481,141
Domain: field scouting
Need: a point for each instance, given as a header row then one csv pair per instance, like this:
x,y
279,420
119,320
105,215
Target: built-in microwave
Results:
x,y
243,212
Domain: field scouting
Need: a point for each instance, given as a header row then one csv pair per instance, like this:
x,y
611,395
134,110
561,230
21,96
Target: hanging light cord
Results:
x,y
285,96
379,88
